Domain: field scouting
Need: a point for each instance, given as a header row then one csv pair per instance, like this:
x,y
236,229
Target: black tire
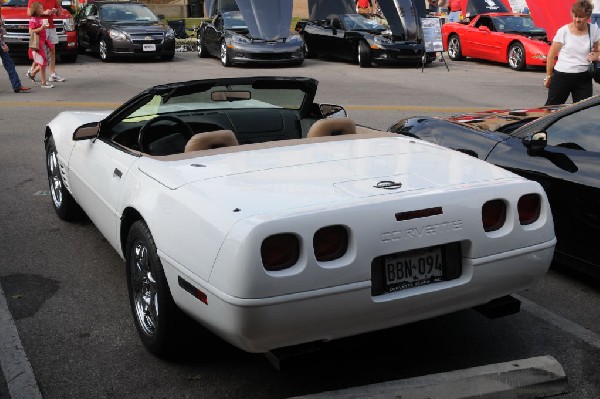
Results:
x,y
308,53
168,57
455,48
516,57
225,60
202,50
103,50
155,314
63,202
364,55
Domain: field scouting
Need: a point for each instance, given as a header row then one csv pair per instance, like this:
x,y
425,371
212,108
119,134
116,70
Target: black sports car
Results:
x,y
560,150
229,37
392,35
357,38
119,28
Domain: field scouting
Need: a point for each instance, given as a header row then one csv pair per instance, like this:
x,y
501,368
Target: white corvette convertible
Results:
x,y
273,222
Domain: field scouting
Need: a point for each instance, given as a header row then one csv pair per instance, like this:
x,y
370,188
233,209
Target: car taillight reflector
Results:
x,y
529,208
280,251
330,243
493,215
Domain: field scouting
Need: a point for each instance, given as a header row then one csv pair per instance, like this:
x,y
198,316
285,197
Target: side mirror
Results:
x,y
87,131
536,141
161,16
484,29
332,111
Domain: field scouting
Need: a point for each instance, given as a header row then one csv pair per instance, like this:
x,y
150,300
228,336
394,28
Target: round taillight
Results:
x,y
280,251
493,215
330,243
529,208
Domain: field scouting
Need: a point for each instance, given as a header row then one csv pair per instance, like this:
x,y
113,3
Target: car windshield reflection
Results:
x,y
360,22
512,23
127,13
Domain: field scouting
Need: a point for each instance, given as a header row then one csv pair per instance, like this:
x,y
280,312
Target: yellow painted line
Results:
x,y
109,105
113,105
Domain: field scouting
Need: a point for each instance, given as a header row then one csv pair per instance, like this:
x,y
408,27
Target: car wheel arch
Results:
x,y
128,218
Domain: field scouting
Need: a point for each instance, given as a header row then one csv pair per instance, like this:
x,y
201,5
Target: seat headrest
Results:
x,y
332,127
210,140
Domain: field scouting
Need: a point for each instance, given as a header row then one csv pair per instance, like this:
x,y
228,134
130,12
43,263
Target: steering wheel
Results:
x,y
184,127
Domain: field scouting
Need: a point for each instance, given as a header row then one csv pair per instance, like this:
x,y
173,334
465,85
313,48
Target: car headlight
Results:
x,y
382,40
239,39
117,34
69,25
294,39
170,34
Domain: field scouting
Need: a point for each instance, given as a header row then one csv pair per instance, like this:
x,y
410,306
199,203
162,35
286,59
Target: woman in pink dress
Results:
x,y
38,25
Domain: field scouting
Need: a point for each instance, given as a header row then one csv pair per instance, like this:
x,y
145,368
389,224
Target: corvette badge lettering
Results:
x,y
419,232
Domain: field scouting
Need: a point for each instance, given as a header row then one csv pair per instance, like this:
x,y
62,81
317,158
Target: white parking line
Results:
x,y
562,323
13,360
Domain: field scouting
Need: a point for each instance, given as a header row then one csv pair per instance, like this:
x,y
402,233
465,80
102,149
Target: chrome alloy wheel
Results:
x,y
515,57
144,289
103,50
454,47
55,180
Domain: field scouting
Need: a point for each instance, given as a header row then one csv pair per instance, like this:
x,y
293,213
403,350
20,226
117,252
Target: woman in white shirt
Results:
x,y
576,45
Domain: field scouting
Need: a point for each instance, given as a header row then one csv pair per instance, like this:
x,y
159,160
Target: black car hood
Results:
x,y
402,18
136,28
401,15
475,7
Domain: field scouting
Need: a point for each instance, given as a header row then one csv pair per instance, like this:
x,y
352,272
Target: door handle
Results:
x,y
117,173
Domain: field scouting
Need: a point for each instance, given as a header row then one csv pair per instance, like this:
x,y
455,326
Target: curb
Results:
x,y
536,377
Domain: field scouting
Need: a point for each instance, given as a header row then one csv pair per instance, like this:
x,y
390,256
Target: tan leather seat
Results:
x,y
210,140
332,127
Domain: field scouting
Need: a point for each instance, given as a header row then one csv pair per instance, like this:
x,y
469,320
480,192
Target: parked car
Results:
x,y
16,23
557,146
512,39
238,202
357,38
123,28
228,38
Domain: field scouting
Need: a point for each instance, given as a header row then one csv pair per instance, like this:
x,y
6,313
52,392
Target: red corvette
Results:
x,y
501,37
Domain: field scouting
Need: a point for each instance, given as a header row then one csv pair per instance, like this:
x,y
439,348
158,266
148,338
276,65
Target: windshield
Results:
x,y
360,22
234,20
515,23
127,12
217,98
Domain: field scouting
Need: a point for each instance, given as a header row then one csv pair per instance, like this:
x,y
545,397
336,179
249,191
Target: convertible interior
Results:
x,y
195,116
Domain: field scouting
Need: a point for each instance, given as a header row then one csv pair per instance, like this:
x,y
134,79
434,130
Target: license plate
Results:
x,y
149,47
413,268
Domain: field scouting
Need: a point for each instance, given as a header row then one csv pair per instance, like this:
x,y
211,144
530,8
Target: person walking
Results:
x,y
578,44
39,26
8,63
455,10
51,9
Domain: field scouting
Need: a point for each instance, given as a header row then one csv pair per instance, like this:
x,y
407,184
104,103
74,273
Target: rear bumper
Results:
x,y
260,325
